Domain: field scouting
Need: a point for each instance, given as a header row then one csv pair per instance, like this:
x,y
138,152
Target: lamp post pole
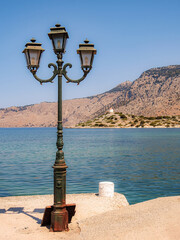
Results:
x,y
33,50
59,215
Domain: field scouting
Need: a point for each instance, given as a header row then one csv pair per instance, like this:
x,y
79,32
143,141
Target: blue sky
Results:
x,y
130,36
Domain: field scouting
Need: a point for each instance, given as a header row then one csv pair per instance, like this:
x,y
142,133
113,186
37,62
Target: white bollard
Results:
x,y
106,189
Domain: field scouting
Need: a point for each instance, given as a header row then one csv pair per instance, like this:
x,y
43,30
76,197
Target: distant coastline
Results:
x,y
120,120
79,127
121,127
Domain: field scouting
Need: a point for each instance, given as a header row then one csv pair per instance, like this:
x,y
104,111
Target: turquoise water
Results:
x,y
143,163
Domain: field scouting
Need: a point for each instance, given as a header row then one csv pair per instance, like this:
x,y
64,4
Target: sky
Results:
x,y
130,36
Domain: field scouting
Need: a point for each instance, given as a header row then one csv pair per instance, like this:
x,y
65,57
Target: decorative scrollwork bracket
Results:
x,y
55,72
64,73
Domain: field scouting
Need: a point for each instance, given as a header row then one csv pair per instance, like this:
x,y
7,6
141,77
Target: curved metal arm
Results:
x,y
55,72
70,80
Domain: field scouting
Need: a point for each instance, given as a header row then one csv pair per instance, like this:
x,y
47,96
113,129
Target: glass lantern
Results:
x,y
86,52
58,36
33,52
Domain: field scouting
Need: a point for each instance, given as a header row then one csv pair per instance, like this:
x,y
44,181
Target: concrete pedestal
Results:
x,y
106,189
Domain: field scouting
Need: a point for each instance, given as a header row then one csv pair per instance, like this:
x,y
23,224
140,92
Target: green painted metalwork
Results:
x,y
59,214
64,72
55,72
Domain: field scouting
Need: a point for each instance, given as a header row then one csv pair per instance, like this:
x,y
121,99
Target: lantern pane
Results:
x,y
58,42
65,42
86,58
34,57
27,57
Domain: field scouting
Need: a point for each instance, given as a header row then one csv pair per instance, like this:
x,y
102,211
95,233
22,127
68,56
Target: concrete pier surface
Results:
x,y
96,218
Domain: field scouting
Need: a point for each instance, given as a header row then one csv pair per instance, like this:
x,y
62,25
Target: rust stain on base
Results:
x,y
58,227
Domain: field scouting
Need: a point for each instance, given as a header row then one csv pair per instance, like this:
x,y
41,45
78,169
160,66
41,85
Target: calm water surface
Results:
x,y
143,163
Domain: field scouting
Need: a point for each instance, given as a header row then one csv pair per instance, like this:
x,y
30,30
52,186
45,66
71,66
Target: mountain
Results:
x,y
156,92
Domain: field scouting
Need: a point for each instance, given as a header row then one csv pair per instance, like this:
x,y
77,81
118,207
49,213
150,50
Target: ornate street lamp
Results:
x,y
58,35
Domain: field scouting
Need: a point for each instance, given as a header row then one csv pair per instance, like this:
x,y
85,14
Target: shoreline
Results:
x,y
149,127
124,127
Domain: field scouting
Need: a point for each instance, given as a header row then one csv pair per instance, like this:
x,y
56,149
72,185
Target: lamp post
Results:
x,y
33,51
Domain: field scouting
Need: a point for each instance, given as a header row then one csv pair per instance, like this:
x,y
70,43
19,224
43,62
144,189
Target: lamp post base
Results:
x,y
58,218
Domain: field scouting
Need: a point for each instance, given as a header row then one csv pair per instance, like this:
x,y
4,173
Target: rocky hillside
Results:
x,y
155,93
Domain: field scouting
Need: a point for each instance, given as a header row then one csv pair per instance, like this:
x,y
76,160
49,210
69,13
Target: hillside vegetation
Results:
x,y
120,120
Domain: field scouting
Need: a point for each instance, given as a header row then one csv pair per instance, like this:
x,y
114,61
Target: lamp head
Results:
x,y
58,36
86,52
33,52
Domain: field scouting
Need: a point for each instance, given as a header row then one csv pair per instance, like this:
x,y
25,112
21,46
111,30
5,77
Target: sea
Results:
x,y
143,163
